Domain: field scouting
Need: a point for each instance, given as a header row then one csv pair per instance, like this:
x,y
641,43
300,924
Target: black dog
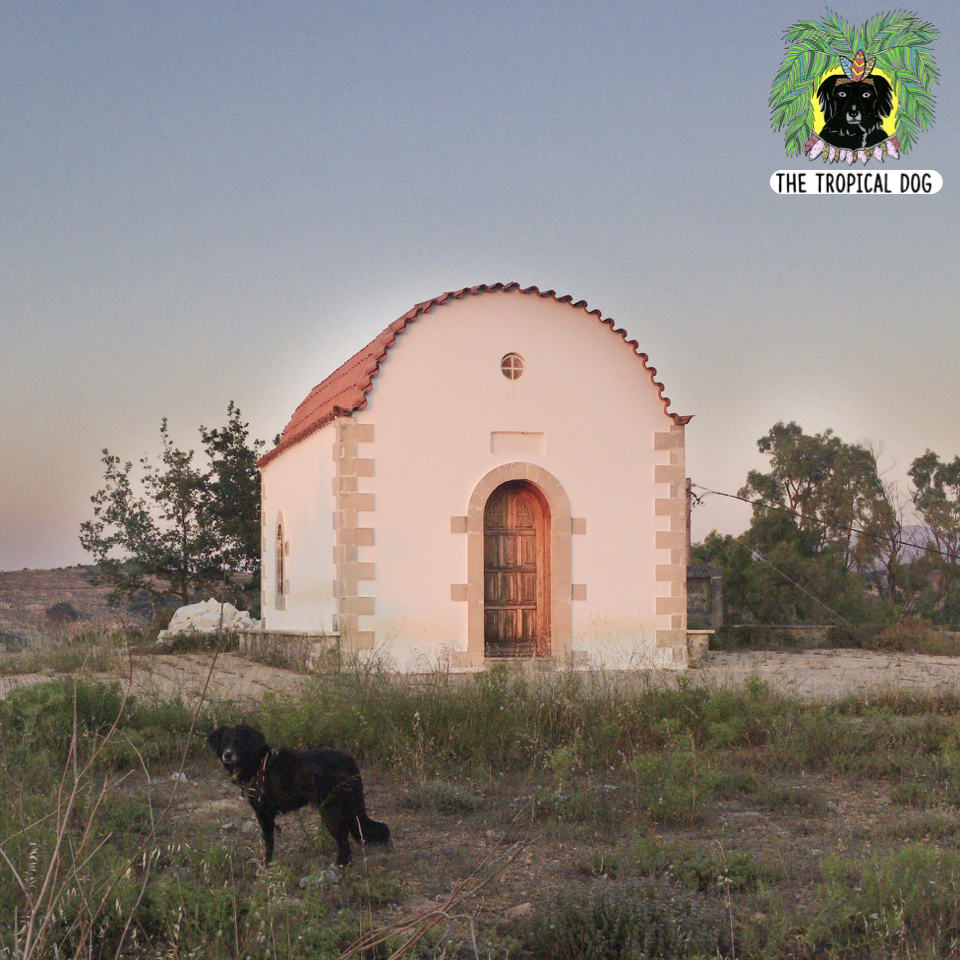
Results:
x,y
277,781
854,110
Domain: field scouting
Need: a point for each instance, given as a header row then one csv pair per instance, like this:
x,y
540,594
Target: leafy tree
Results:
x,y
936,497
831,490
821,513
190,529
784,582
234,485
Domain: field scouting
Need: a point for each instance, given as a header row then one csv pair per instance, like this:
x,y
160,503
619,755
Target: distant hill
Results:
x,y
27,595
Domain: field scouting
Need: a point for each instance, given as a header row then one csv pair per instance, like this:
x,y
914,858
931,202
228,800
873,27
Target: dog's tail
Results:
x,y
366,830
363,829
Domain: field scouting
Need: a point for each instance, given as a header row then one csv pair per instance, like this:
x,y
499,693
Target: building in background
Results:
x,y
495,476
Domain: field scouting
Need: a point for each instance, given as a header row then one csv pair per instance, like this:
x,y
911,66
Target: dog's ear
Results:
x,y
216,738
884,95
828,102
258,740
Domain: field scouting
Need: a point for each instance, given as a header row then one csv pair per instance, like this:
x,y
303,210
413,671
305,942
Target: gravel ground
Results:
x,y
812,674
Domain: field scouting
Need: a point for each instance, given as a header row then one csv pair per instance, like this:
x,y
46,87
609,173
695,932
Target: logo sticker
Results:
x,y
844,94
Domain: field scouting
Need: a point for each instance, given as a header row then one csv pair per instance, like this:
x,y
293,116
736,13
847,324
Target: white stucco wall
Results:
x,y
299,486
438,398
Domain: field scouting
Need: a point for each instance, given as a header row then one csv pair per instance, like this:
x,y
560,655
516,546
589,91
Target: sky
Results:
x,y
205,202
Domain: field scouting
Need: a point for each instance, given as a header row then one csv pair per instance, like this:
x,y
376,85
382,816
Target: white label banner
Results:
x,y
836,182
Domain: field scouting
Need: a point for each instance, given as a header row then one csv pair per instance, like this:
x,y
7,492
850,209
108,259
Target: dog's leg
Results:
x,y
267,820
339,830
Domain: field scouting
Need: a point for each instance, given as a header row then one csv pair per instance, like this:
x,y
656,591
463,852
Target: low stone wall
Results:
x,y
315,652
801,636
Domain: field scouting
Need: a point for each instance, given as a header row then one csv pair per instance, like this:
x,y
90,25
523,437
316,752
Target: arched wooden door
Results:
x,y
516,575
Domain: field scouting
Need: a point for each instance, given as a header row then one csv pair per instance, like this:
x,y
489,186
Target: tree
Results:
x,y
190,529
784,582
936,497
892,549
821,515
234,486
831,489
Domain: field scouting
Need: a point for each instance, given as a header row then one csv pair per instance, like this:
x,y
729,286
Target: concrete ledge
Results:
x,y
298,649
698,645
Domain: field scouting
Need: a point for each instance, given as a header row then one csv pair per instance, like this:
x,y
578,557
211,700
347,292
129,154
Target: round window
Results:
x,y
511,366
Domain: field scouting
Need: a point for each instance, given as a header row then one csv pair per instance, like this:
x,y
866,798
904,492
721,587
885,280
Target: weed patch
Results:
x,y
441,796
675,788
905,903
635,921
699,866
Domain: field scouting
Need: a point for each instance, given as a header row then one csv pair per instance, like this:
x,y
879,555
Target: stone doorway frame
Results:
x,y
560,552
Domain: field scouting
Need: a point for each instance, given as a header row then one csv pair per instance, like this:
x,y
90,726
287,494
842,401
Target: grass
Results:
x,y
441,796
666,822
633,921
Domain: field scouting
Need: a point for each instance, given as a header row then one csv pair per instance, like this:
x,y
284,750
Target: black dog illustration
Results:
x,y
854,110
277,781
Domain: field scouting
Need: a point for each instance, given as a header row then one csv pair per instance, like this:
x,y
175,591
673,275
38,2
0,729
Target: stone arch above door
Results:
x,y
561,567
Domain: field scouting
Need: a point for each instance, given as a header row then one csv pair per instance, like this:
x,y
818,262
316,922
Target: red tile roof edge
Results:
x,y
346,389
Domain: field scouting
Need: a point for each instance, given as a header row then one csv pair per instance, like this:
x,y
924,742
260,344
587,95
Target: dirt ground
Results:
x,y
812,674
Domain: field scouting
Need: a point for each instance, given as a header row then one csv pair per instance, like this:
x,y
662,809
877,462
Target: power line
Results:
x,y
927,548
754,552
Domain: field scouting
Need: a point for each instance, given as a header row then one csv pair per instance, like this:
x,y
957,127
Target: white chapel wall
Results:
x,y
299,485
585,410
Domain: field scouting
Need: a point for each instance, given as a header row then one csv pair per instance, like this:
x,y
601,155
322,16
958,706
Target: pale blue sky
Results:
x,y
203,202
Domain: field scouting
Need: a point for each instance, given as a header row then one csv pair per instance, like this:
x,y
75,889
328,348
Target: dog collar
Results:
x,y
254,789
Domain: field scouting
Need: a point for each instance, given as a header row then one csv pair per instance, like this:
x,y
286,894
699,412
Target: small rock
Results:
x,y
521,910
229,825
330,875
208,617
62,612
178,777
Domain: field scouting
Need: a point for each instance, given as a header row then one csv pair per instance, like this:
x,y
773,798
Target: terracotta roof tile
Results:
x,y
346,389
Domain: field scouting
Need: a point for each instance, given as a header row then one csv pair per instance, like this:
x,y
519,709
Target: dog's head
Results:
x,y
858,103
240,749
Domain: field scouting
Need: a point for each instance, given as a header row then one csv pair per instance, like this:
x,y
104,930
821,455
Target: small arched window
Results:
x,y
280,590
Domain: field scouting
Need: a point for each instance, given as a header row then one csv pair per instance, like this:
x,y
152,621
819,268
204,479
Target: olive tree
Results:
x,y
181,527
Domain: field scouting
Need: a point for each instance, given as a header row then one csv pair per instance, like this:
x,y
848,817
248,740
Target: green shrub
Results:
x,y
911,794
45,714
442,796
699,866
786,799
898,904
598,804
41,719
629,922
675,788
